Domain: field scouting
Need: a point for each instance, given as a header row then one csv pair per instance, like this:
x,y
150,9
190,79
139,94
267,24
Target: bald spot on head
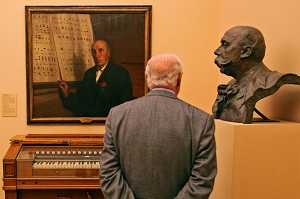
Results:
x,y
161,64
163,70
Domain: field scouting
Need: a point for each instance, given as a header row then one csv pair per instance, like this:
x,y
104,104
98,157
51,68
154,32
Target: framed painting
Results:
x,y
60,45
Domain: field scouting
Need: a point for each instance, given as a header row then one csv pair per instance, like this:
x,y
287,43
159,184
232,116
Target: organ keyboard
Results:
x,y
60,166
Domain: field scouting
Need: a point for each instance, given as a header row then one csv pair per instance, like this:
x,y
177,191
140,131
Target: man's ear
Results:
x,y
179,79
146,77
246,52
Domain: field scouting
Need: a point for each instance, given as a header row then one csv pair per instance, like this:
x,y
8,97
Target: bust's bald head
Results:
x,y
250,36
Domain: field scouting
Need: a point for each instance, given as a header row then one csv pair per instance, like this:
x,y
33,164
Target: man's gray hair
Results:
x,y
163,70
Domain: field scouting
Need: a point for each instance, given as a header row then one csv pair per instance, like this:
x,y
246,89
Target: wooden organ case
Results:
x,y
53,166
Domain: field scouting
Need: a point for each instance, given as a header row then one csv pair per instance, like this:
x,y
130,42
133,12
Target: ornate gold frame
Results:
x,y
43,105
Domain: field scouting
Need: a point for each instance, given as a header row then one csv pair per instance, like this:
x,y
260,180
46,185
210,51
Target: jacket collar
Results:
x,y
161,92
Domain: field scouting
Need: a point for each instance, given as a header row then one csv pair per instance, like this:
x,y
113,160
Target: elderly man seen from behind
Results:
x,y
159,146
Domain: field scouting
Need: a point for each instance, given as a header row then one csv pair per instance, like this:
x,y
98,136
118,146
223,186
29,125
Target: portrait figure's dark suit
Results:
x,y
95,99
158,146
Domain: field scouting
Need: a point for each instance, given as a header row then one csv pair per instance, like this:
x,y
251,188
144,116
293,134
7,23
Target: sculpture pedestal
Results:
x,y
258,160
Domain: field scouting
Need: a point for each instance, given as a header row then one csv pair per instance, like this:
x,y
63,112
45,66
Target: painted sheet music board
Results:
x,y
61,46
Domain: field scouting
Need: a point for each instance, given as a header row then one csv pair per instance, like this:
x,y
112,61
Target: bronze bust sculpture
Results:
x,y
240,56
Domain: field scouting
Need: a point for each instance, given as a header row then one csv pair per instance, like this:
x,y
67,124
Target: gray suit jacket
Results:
x,y
158,147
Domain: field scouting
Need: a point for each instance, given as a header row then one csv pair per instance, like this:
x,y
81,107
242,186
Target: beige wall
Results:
x,y
190,29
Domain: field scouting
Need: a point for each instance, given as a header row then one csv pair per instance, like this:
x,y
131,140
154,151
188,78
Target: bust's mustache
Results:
x,y
222,62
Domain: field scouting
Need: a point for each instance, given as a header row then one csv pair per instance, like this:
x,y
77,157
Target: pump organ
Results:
x,y
60,166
